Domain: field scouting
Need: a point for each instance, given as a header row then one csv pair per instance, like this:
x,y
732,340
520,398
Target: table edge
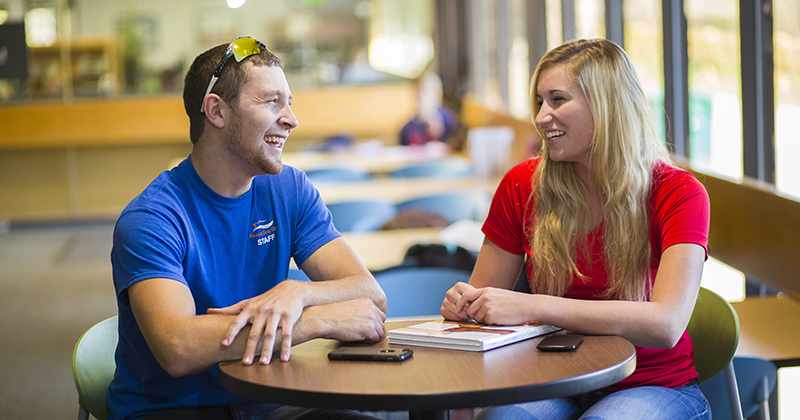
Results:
x,y
427,402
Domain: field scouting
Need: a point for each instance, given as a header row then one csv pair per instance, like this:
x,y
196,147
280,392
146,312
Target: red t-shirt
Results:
x,y
679,212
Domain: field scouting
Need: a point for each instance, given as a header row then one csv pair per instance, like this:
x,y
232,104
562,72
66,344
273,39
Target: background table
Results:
x,y
769,327
400,189
433,380
386,248
370,156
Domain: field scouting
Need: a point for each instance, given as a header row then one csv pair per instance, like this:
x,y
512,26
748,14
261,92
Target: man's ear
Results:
x,y
213,108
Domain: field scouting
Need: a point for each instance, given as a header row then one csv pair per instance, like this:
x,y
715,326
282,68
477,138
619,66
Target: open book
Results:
x,y
466,335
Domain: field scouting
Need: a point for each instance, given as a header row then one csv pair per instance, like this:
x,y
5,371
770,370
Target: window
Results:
x,y
644,45
786,38
715,121
589,19
519,71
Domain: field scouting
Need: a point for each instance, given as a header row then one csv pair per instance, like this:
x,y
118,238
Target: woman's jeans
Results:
x,y
646,402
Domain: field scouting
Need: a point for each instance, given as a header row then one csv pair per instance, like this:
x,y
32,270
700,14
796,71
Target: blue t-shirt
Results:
x,y
224,249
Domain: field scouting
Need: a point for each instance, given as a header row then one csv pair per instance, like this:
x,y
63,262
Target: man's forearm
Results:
x,y
345,289
197,346
345,276
199,349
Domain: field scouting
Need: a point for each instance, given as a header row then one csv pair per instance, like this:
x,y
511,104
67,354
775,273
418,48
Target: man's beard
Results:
x,y
239,147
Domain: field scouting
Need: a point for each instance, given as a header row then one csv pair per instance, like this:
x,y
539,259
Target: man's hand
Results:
x,y
353,320
277,309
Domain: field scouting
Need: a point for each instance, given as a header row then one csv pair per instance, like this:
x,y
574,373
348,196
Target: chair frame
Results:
x,y
714,323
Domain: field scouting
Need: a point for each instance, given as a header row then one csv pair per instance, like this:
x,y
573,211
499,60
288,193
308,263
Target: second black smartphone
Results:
x,y
378,354
560,342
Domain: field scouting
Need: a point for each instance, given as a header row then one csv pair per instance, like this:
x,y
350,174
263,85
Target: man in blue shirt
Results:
x,y
201,256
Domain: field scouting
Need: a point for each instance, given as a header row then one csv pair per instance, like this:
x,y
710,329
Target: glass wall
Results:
x,y
715,86
644,44
519,71
487,13
589,19
787,95
554,27
487,28
786,39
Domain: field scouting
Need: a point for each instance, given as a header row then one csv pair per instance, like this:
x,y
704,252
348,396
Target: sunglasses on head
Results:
x,y
240,48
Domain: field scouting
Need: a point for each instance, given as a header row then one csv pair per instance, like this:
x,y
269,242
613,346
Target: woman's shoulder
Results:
x,y
526,168
668,178
665,172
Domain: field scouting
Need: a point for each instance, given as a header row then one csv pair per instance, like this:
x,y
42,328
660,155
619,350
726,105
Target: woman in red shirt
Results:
x,y
612,235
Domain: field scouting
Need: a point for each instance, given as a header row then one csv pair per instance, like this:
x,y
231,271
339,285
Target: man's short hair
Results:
x,y
228,87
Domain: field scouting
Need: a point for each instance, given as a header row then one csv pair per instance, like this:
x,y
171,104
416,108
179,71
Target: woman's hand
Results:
x,y
451,300
495,268
489,305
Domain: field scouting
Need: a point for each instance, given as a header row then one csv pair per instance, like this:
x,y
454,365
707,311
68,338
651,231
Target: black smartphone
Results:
x,y
378,354
560,342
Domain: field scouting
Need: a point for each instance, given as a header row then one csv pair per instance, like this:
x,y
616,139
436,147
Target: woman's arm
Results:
x,y
658,323
496,267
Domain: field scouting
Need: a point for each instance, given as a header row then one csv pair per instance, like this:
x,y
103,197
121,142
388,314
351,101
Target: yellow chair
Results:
x,y
714,329
93,368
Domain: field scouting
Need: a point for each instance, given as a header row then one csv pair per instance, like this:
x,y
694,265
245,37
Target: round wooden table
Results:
x,y
433,381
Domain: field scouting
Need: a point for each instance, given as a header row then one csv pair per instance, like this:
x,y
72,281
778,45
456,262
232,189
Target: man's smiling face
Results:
x,y
262,120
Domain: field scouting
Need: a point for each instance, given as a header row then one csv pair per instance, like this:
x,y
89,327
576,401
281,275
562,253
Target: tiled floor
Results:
x,y
55,282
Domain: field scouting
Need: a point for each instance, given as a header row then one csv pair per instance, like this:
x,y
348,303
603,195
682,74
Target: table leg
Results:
x,y
429,415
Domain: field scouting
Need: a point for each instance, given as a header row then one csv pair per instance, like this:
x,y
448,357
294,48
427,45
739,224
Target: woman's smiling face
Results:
x,y
565,117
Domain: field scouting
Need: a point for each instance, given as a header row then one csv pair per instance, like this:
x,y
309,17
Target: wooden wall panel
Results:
x,y
755,230
34,183
365,111
129,120
89,157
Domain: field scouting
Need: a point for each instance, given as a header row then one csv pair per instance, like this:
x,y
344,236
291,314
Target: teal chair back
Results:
x,y
452,205
714,329
448,168
332,175
93,368
417,291
362,215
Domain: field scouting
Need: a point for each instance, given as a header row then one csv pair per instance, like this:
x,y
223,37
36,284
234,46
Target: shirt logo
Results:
x,y
263,231
262,224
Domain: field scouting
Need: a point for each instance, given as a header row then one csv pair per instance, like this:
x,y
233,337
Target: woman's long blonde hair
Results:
x,y
623,155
